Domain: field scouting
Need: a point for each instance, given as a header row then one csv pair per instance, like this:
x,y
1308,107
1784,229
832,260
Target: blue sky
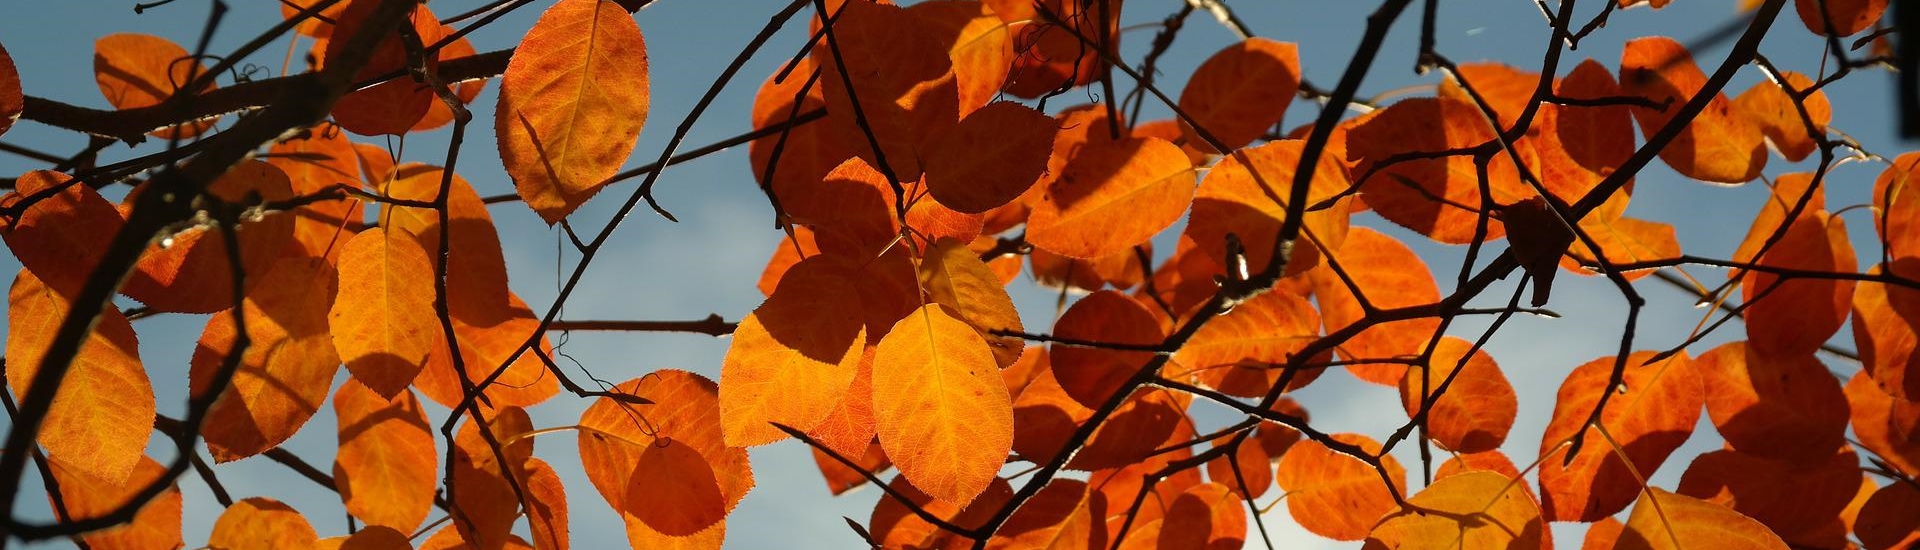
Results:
x,y
708,262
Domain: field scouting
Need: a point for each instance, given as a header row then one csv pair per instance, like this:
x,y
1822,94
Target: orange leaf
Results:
x,y
485,505
1845,17
1250,466
1888,426
314,161
371,537
1111,196
1389,275
1788,498
1896,201
1785,407
953,276
383,322
849,429
391,107
977,41
61,237
192,273
143,70
476,268
448,538
156,525
1470,510
1047,58
546,506
1505,88
1650,415
1091,375
1335,495
793,358
261,523
1064,515
572,103
1578,145
1241,92
851,209
438,114
1603,534
1797,315
893,526
1241,353
1277,438
1209,516
1716,146
991,157
1477,409
103,408
686,411
1246,194
1622,240
1411,193
840,478
678,478
283,377
943,413
1884,333
1120,270
1769,108
1887,519
903,81
12,101
1666,521
484,348
320,26
1141,424
386,466
808,151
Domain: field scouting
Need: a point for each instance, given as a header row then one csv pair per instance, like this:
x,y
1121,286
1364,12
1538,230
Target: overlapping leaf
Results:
x,y
903,84
1111,196
386,465
1334,495
282,379
1472,510
1785,407
1717,146
1241,91
142,70
686,412
103,408
942,410
1478,407
793,358
1650,414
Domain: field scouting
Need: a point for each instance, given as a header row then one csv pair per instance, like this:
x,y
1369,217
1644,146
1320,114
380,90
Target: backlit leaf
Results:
x,y
943,413
1246,194
1241,353
1663,520
484,503
1884,333
1091,375
686,411
61,237
1769,108
1718,145
1887,520
546,506
1844,17
808,151
572,103
103,409
840,478
678,477
264,524
1241,92
1389,275
1777,406
1477,409
12,101
991,157
1209,516
1408,193
903,81
953,276
1335,495
1064,515
190,271
794,357
485,348
1651,414
1111,196
1797,315
283,377
1250,466
979,43
1786,497
893,526
476,268
387,466
156,525
142,70
313,161
1887,426
1049,58
383,322
1896,201
1472,510
391,107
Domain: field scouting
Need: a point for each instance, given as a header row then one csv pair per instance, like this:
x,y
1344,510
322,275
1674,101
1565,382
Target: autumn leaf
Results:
x,y
1064,515
1883,334
156,525
390,107
1241,92
191,270
686,412
1789,498
903,86
1786,407
12,101
1206,516
1473,510
572,103
1411,172
61,236
1477,409
386,465
955,277
979,44
476,268
992,157
103,409
943,414
1651,414
1246,194
1718,146
261,523
142,70
1842,17
1388,275
384,324
794,357
1663,520
1113,195
1887,519
1090,374
283,377
1334,495
1769,107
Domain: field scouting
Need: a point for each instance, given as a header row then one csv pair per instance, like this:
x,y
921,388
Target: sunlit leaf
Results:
x,y
840,478
1785,407
1884,333
60,237
1663,520
1650,414
992,157
1241,353
794,357
1389,275
1784,496
1476,411
383,322
1209,516
156,525
391,107
103,408
1111,196
1768,106
1091,374
283,377
893,526
261,523
387,464
1334,495
1246,194
1797,315
978,42
686,411
903,82
1241,92
953,276
1718,145
1435,196
1064,515
572,103
191,271
1887,426
142,70
1844,17
942,411
1471,510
